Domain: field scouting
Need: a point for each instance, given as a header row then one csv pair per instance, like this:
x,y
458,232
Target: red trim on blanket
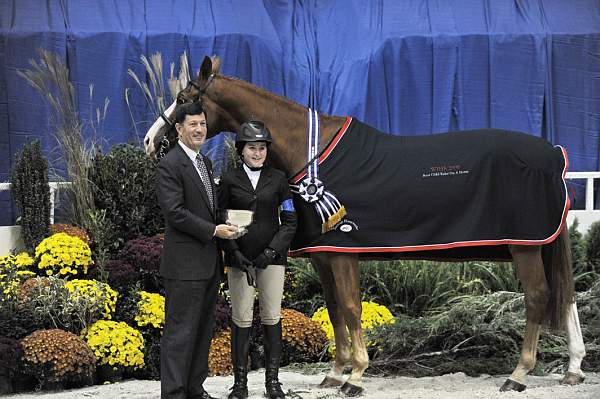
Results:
x,y
327,151
327,248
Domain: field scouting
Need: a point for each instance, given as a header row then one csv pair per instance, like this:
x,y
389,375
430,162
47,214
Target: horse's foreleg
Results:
x,y
574,375
342,342
530,270
347,280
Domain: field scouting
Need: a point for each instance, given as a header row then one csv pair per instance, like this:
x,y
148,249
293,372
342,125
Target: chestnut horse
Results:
x,y
547,283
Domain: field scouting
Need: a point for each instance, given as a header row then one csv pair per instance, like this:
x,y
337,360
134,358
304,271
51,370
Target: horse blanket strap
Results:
x,y
311,189
444,196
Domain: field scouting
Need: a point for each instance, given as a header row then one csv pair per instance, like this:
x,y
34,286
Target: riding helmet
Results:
x,y
253,131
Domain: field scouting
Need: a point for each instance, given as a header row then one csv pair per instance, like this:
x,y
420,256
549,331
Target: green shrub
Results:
x,y
414,287
123,185
302,288
11,353
31,193
411,287
592,247
583,270
16,321
105,239
51,305
578,254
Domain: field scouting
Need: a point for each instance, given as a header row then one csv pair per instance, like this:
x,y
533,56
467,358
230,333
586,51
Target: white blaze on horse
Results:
x,y
547,280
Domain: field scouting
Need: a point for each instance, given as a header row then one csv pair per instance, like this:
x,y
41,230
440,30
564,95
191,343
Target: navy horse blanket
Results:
x,y
457,195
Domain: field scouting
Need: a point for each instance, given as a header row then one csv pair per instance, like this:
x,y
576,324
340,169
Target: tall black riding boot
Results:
x,y
272,342
240,343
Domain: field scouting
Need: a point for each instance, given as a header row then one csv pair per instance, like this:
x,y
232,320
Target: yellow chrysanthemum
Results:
x,y
115,343
151,310
373,314
63,254
95,292
13,271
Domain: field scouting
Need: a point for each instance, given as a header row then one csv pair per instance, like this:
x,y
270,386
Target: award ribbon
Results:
x,y
311,189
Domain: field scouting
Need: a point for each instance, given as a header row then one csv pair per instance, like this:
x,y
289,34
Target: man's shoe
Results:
x,y
205,395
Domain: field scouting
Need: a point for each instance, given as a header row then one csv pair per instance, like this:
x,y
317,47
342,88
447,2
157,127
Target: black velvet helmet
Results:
x,y
253,131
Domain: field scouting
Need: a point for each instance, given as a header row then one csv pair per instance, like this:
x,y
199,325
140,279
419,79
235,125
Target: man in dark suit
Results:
x,y
190,265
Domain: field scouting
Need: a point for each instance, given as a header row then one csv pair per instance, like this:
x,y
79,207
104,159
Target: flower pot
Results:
x,y
6,385
23,383
108,373
53,386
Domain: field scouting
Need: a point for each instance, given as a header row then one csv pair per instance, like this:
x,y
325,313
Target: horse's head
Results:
x,y
198,86
160,139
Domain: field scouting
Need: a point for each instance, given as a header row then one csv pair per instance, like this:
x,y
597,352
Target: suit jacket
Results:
x,y
235,191
190,250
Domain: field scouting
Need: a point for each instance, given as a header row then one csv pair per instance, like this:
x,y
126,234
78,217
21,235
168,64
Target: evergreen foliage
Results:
x,y
592,247
123,185
583,271
31,193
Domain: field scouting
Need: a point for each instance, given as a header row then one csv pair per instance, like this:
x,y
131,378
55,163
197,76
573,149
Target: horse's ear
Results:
x,y
206,68
216,64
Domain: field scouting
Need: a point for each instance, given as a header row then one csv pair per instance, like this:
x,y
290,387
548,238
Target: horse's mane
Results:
x,y
263,92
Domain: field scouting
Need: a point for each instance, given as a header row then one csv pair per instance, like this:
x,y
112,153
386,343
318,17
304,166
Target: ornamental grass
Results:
x,y
58,356
116,344
63,255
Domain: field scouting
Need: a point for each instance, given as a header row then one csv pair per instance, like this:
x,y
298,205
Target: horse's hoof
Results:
x,y
329,382
351,390
572,379
512,385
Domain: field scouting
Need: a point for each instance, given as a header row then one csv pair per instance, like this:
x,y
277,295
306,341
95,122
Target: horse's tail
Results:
x,y
559,274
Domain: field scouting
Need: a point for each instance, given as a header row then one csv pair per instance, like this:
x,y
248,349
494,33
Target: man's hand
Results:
x,y
226,232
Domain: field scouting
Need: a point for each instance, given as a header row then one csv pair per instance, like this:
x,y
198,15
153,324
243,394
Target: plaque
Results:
x,y
239,217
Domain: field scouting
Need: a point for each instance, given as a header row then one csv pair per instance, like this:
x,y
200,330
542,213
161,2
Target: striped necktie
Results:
x,y
205,179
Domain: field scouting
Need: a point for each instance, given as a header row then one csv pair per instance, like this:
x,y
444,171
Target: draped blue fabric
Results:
x,y
406,67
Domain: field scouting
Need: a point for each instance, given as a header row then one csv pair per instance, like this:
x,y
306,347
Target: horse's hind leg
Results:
x,y
530,270
574,375
342,342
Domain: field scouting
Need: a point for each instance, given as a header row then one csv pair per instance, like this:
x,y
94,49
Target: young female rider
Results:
x,y
264,190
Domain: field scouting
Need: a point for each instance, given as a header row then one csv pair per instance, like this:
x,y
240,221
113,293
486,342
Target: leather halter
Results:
x,y
165,142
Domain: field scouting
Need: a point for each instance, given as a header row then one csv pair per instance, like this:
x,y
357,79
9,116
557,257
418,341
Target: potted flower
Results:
x,y
64,255
117,346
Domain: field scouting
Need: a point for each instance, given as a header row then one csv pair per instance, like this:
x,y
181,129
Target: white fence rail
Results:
x,y
9,235
54,187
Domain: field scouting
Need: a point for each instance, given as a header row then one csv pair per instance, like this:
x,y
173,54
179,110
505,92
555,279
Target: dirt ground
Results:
x,y
302,386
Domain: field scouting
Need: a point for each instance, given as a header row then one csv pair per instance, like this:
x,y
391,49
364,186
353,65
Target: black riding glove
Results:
x,y
265,258
242,263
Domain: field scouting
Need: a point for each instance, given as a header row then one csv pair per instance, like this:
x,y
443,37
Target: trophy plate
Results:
x,y
239,217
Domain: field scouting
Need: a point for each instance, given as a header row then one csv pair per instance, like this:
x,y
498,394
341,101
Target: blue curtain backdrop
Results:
x,y
407,67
